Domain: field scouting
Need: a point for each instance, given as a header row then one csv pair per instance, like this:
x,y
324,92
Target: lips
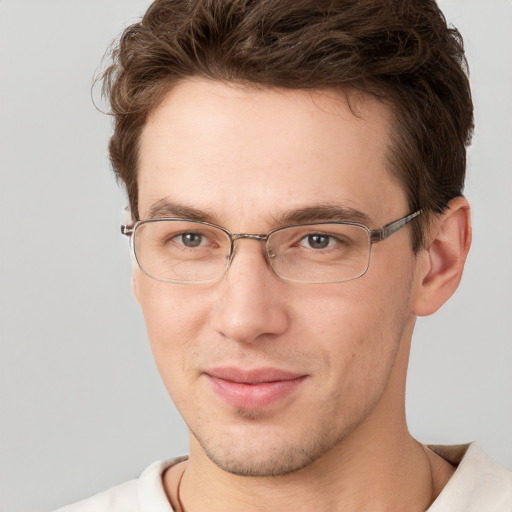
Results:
x,y
253,389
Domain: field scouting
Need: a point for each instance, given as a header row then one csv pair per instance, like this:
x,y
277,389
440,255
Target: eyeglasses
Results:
x,y
194,252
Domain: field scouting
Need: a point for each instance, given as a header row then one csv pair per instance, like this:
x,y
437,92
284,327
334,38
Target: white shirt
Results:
x,y
478,485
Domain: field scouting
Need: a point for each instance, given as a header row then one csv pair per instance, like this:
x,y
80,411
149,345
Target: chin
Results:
x,y
267,453
261,463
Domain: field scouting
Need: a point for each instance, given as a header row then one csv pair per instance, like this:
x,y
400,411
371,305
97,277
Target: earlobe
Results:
x,y
135,288
449,240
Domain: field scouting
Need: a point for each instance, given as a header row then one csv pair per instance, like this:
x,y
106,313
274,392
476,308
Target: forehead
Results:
x,y
250,153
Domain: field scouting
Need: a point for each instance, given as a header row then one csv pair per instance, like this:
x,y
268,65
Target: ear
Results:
x,y
135,287
440,270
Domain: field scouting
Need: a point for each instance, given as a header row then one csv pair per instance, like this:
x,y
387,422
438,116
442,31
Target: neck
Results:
x,y
376,477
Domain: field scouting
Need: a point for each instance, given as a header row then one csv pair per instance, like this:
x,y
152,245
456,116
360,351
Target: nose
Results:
x,y
251,303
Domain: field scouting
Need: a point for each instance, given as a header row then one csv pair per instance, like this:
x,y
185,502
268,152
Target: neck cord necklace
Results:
x,y
178,496
426,450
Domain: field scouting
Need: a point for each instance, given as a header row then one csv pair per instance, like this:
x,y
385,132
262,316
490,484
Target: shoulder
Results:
x,y
144,493
478,483
121,497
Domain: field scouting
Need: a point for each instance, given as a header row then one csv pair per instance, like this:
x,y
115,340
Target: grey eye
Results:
x,y
318,241
191,239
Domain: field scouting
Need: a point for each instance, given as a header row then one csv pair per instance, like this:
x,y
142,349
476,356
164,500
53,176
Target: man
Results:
x,y
295,174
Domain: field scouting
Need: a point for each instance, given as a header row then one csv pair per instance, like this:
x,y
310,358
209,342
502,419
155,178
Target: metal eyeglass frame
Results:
x,y
374,236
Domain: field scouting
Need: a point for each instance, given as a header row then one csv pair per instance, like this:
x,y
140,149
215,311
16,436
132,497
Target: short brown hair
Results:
x,y
401,51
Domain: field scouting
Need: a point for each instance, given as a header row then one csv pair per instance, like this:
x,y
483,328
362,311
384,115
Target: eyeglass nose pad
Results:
x,y
231,254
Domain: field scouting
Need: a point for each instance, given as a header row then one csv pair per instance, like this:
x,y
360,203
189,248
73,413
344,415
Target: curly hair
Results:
x,y
400,51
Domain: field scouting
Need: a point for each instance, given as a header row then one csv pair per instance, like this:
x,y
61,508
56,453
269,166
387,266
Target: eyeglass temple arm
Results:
x,y
127,221
377,235
126,230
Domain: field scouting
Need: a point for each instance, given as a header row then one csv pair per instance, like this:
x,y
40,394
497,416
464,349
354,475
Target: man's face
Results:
x,y
270,375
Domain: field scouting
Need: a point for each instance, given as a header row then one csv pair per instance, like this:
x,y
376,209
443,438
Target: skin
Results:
x,y
245,157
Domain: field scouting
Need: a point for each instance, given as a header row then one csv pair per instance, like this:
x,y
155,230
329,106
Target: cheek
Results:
x,y
175,316
349,312
358,325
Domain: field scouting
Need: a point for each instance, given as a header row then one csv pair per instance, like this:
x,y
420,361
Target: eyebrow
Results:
x,y
324,212
166,209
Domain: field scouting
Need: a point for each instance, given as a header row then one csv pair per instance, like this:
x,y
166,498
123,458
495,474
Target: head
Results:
x,y
401,52
255,115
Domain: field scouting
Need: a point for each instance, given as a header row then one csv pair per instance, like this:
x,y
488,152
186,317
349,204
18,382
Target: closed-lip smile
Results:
x,y
253,388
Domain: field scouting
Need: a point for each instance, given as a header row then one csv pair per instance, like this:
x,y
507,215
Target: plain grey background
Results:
x,y
82,406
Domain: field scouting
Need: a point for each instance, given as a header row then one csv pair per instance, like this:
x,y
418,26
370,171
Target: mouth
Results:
x,y
253,389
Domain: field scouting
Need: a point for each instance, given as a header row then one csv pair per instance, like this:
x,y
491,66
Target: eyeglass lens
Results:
x,y
194,252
